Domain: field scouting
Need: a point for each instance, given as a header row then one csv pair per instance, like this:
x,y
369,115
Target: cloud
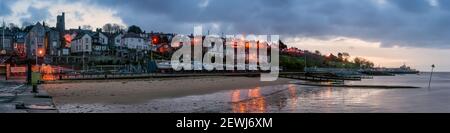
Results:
x,y
4,8
418,58
409,23
404,23
78,12
36,14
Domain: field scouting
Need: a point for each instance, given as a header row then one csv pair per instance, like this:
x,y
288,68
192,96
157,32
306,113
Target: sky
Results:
x,y
388,32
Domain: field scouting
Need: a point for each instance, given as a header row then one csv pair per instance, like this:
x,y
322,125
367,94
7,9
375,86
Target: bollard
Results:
x,y
35,89
35,77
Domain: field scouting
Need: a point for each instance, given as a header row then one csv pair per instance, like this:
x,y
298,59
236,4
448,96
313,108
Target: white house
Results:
x,y
134,41
81,43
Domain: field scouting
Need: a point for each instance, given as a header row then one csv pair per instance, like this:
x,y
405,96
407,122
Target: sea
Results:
x,y
294,98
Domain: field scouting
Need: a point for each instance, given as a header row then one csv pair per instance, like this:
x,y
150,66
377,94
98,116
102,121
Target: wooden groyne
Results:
x,y
157,75
360,86
290,75
318,77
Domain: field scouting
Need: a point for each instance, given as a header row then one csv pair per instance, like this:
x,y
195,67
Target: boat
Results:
x,y
390,71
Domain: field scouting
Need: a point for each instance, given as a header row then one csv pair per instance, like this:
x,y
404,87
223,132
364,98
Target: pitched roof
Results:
x,y
81,34
131,35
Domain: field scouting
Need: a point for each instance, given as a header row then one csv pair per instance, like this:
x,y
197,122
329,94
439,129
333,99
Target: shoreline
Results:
x,y
143,90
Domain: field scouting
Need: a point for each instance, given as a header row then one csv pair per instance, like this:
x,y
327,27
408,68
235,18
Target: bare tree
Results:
x,y
107,28
113,28
86,27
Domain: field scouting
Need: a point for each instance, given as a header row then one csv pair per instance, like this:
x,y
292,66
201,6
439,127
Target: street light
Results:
x,y
41,52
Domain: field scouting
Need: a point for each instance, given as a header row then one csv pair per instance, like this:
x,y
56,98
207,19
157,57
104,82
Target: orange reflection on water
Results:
x,y
293,97
237,106
254,102
47,71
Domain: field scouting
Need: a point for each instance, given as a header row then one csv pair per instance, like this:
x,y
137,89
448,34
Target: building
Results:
x,y
53,42
134,41
35,40
60,23
117,40
100,43
6,41
160,42
81,44
19,44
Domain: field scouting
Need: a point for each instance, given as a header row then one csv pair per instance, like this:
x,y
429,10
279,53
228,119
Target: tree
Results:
x,y
112,28
107,28
363,63
282,45
134,29
13,27
317,52
86,27
345,55
340,57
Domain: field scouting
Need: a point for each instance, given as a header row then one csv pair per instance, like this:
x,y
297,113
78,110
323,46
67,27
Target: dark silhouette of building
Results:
x,y
60,23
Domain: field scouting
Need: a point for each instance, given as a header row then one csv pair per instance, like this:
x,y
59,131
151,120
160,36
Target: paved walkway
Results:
x,y
16,93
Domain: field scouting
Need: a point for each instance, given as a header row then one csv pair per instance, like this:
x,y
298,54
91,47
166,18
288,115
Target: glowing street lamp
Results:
x,y
155,40
41,52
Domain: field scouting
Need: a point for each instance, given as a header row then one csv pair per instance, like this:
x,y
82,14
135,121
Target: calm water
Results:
x,y
293,98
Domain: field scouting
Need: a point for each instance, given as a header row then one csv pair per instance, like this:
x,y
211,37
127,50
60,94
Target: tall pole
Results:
x,y
431,75
3,35
36,50
83,55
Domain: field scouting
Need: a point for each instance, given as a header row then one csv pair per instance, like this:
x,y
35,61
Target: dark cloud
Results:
x,y
36,14
412,23
4,8
414,6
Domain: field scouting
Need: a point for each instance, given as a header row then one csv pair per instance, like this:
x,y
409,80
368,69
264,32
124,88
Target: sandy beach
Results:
x,y
247,95
141,91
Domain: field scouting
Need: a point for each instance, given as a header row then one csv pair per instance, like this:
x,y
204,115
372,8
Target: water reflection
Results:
x,y
48,72
293,97
254,102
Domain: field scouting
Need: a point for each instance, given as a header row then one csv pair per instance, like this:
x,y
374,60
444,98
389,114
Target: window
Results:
x,y
86,40
87,47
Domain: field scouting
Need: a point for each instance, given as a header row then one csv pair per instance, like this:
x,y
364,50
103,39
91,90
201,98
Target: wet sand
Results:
x,y
142,91
248,95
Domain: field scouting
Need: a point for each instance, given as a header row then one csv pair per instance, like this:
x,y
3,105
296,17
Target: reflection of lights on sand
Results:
x,y
255,103
253,57
327,93
237,106
293,96
47,72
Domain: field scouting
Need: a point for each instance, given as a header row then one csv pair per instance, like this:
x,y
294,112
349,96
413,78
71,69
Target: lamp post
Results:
x,y
36,50
431,75
3,35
